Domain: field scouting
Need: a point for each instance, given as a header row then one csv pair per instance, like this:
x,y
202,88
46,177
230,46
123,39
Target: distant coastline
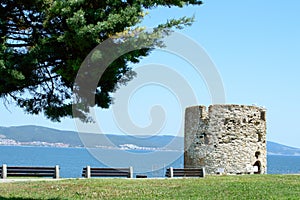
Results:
x,y
11,142
38,136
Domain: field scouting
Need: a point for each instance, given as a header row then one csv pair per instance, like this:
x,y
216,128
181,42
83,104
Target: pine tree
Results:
x,y
44,42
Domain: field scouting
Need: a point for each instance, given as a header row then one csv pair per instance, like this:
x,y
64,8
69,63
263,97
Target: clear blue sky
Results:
x,y
255,46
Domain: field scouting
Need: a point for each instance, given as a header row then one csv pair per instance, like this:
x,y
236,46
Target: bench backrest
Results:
x,y
185,172
106,172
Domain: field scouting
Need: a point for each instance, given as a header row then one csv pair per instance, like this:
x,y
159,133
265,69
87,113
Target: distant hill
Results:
x,y
27,134
31,134
279,149
38,133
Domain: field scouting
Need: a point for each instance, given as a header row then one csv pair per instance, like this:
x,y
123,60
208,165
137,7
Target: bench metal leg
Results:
x,y
56,171
88,172
130,172
171,172
4,171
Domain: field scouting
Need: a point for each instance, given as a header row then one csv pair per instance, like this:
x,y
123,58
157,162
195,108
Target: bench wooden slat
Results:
x,y
187,170
30,170
26,167
187,175
31,174
109,169
109,172
105,174
182,172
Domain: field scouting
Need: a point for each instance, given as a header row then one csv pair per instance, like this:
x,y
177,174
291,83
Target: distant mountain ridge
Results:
x,y
42,136
283,150
27,134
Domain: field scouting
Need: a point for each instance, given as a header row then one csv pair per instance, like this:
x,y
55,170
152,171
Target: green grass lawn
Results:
x,y
211,187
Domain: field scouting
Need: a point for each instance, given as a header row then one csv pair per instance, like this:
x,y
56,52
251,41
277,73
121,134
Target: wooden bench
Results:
x,y
185,172
26,171
89,172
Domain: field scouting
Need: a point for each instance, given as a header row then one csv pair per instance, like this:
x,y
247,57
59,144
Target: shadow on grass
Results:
x,y
21,198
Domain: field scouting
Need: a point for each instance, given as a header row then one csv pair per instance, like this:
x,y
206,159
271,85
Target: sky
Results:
x,y
254,45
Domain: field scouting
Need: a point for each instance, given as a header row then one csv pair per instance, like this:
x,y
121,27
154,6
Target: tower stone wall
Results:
x,y
228,139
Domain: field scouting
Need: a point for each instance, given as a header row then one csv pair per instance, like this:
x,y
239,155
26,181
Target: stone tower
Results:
x,y
228,139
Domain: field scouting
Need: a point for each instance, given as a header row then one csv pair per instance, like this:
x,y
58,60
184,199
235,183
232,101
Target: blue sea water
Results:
x,y
283,164
72,160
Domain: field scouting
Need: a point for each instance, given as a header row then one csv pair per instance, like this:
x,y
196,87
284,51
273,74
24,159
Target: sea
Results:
x,y
152,164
